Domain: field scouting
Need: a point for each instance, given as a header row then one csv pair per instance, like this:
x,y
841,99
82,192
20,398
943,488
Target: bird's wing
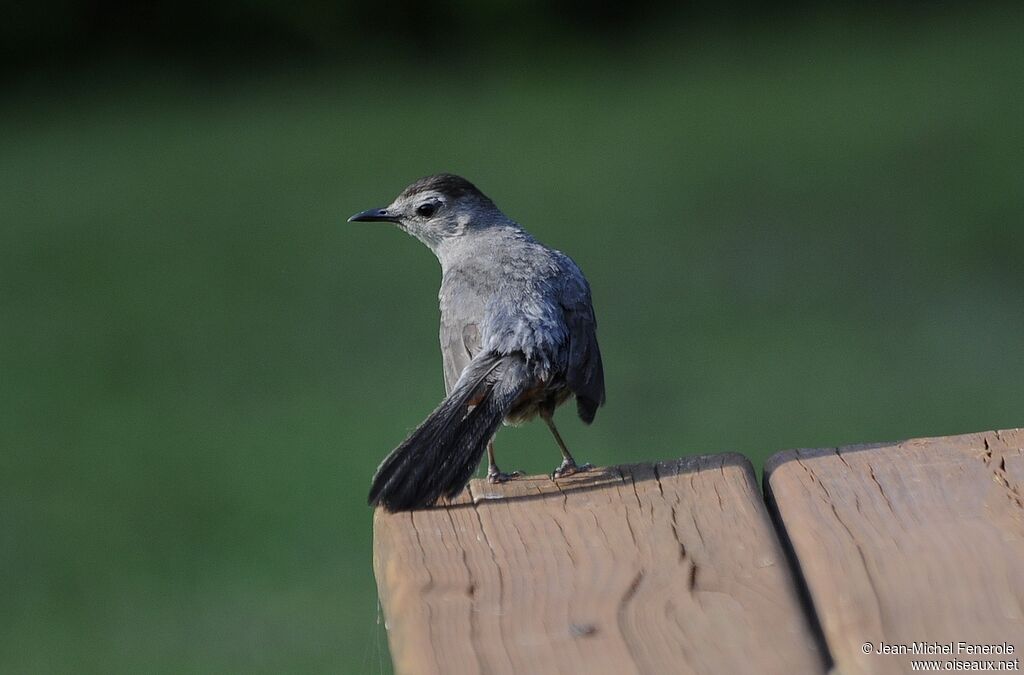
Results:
x,y
460,342
585,372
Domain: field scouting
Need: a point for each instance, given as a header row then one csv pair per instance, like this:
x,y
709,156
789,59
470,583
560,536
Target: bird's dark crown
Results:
x,y
449,185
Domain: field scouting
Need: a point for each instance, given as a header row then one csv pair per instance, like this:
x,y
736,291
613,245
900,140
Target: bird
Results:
x,y
518,338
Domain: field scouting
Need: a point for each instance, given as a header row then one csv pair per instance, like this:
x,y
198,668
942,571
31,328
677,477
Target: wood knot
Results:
x,y
582,629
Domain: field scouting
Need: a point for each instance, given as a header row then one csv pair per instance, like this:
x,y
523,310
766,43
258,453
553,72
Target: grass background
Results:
x,y
798,238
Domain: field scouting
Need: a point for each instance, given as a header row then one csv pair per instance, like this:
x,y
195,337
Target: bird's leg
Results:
x,y
494,474
568,466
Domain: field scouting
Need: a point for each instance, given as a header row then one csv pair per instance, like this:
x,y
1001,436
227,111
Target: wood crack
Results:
x,y
428,587
999,474
640,508
494,561
888,502
474,628
621,616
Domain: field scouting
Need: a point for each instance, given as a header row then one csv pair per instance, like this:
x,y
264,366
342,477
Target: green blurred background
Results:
x,y
802,228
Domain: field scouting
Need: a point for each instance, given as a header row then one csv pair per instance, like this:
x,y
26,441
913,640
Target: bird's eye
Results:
x,y
426,210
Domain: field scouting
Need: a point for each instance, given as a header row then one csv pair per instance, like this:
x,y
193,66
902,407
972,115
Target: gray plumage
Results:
x,y
518,338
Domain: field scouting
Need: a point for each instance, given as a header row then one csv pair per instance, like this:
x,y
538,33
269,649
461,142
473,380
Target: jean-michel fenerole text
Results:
x,y
944,648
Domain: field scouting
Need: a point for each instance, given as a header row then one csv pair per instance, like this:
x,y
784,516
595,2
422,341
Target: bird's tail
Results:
x,y
440,456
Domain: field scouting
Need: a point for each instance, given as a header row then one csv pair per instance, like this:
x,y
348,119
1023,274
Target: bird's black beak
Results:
x,y
374,216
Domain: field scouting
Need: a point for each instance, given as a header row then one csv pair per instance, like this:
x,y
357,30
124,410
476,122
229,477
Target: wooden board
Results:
x,y
920,541
667,568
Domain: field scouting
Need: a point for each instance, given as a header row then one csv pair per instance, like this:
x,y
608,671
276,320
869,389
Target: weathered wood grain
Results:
x,y
920,541
667,568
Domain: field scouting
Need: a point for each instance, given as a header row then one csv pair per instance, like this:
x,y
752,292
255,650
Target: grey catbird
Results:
x,y
518,338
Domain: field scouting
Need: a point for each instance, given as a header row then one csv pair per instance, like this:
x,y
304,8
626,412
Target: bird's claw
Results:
x,y
494,477
569,467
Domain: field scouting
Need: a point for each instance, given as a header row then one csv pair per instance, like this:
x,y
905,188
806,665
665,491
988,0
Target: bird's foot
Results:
x,y
568,467
495,476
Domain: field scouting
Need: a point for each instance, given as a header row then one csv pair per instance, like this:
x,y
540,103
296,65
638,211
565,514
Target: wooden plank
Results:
x,y
920,541
667,568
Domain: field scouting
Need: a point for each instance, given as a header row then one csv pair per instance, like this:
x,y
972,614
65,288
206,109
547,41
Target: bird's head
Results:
x,y
436,209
